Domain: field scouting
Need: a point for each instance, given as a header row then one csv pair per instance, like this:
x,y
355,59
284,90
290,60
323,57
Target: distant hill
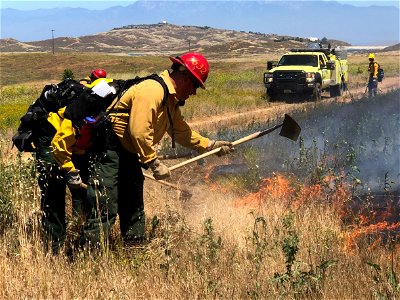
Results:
x,y
392,48
164,38
373,25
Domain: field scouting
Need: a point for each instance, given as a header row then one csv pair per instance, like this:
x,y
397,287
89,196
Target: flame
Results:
x,y
379,222
378,230
277,187
295,194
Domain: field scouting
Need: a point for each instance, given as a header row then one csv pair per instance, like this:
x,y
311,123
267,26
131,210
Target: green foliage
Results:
x,y
14,101
290,243
213,244
387,284
250,180
295,279
155,222
205,251
7,214
227,91
259,242
67,74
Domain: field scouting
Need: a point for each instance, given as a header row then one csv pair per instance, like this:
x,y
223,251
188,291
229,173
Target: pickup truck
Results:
x,y
307,72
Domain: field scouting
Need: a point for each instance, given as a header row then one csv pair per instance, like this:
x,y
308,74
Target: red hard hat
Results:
x,y
99,73
196,63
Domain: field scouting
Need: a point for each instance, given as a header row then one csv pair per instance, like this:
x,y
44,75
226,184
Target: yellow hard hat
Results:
x,y
371,55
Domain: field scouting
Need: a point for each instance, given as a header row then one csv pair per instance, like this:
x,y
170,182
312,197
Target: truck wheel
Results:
x,y
269,95
316,95
335,90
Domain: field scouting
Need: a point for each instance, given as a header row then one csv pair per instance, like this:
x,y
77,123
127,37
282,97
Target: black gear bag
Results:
x,y
51,99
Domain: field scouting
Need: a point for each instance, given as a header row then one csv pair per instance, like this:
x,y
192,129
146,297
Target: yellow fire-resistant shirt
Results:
x,y
147,120
373,69
63,142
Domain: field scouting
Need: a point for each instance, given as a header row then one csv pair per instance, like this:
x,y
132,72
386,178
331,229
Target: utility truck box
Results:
x,y
307,72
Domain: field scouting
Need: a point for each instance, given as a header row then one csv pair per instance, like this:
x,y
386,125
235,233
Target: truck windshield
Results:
x,y
298,60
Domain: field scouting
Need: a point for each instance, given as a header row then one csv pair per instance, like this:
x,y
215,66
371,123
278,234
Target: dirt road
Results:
x,y
276,110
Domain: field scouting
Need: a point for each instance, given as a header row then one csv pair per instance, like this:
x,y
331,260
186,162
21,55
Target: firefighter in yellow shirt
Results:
x,y
139,119
373,76
65,142
60,157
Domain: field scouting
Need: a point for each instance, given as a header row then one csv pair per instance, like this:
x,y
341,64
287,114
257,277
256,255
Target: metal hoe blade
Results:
x,y
290,129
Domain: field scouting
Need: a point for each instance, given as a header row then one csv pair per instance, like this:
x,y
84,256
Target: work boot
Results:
x,y
131,243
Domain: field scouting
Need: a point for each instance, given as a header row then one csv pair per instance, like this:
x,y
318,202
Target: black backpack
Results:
x,y
80,102
381,73
91,105
51,99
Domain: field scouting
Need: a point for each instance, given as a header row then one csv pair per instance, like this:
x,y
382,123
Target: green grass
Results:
x,y
231,86
229,89
227,92
15,100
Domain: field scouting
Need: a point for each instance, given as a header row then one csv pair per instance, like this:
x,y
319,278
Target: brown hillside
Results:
x,y
164,39
392,48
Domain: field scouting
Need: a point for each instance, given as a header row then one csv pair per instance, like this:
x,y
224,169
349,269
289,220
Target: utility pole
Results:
x,y
52,39
189,45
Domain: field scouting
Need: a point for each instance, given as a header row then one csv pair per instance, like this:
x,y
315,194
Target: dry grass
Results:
x,y
223,243
236,258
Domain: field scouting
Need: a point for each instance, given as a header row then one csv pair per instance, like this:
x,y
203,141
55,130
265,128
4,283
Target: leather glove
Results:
x,y
226,147
74,180
160,171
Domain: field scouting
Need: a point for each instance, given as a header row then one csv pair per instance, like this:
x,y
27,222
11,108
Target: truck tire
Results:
x,y
338,90
335,90
316,95
269,95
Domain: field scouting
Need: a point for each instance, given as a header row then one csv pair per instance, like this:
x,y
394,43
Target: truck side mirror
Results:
x,y
330,65
269,65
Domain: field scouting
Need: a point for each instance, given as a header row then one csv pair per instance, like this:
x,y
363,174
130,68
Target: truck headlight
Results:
x,y
268,77
310,77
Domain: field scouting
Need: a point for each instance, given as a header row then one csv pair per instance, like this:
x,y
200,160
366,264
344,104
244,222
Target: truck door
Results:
x,y
324,71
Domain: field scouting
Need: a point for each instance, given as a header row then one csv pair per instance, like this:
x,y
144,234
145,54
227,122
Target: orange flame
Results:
x,y
378,230
376,223
293,193
277,187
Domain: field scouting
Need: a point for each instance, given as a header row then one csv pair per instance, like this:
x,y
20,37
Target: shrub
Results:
x,y
68,74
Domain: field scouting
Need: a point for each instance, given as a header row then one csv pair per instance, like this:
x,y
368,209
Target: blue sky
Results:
x,y
96,4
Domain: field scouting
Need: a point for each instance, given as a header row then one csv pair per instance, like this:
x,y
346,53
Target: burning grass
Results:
x,y
288,245
372,218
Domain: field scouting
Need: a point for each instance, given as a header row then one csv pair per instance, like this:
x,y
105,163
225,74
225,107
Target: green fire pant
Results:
x,y
52,184
116,187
